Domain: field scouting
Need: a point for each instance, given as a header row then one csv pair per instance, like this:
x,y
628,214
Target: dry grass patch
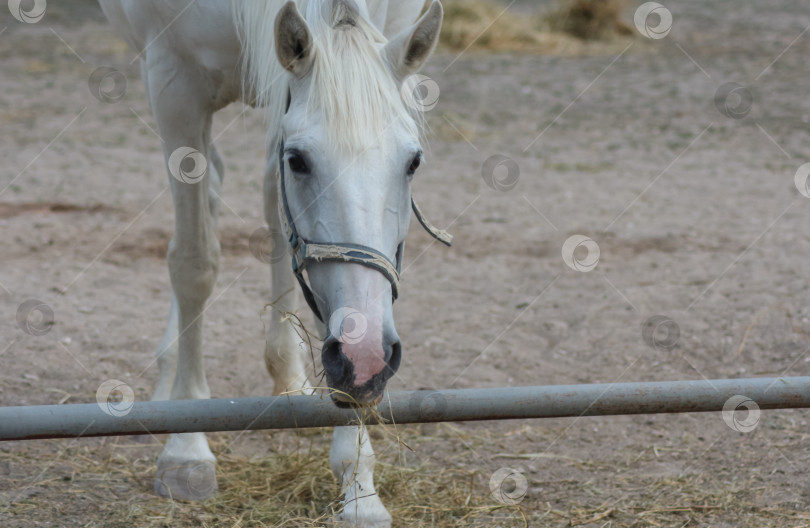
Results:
x,y
292,486
480,24
443,483
591,19
488,25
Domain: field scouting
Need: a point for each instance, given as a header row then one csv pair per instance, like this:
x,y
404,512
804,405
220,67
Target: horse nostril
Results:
x,y
393,360
334,362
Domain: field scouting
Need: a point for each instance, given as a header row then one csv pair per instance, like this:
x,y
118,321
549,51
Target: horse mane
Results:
x,y
350,83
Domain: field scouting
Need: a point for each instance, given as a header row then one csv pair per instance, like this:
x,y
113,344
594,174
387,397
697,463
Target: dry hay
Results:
x,y
490,26
292,486
482,24
591,19
108,483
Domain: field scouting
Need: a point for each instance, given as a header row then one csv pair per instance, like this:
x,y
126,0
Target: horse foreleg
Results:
x,y
186,465
286,354
166,355
166,352
352,460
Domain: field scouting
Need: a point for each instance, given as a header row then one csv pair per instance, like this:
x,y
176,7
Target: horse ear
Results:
x,y
293,41
408,51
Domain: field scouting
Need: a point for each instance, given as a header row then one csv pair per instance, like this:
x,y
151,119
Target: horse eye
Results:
x,y
415,162
297,163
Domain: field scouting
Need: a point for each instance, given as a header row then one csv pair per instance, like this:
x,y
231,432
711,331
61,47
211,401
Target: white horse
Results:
x,y
343,146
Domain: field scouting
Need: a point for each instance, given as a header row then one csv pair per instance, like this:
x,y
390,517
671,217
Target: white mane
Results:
x,y
350,83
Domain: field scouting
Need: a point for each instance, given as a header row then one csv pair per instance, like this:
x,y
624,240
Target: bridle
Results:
x,y
305,251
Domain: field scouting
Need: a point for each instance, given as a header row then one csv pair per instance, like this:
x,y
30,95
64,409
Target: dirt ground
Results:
x,y
696,216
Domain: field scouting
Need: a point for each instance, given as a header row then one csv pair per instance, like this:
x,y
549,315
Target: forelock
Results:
x,y
351,86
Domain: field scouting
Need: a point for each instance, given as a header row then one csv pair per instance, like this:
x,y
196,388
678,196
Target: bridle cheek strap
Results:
x,y
305,251
439,234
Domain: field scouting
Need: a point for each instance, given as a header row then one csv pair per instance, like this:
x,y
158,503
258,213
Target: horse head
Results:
x,y
348,148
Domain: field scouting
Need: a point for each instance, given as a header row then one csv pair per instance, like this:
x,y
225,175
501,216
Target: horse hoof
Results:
x,y
191,481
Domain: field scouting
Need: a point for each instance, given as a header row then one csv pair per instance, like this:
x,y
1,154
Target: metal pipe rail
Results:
x,y
285,412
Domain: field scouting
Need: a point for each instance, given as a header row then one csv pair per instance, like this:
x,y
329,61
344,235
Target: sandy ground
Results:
x,y
695,214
